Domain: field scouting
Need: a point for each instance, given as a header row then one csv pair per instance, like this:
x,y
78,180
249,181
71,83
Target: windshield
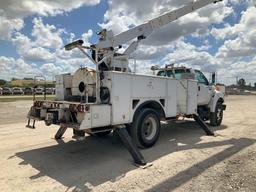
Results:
x,y
165,73
179,73
182,73
201,78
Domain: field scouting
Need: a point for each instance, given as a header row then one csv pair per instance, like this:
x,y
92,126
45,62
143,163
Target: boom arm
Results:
x,y
143,31
108,44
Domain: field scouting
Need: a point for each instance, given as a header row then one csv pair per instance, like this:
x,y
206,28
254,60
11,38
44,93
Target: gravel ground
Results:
x,y
184,159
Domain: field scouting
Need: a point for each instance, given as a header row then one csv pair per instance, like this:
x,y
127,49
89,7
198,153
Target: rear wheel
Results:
x,y
217,116
146,128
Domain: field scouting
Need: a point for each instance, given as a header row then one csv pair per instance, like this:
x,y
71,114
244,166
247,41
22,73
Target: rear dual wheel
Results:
x,y
146,128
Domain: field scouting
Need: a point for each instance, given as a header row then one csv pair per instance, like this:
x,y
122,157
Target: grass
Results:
x,y
12,98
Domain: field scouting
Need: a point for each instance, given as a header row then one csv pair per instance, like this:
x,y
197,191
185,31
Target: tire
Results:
x,y
217,116
146,128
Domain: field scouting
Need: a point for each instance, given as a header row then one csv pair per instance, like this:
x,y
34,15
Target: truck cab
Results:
x,y
209,97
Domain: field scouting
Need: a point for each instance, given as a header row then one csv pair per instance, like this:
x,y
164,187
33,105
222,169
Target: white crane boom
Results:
x,y
108,40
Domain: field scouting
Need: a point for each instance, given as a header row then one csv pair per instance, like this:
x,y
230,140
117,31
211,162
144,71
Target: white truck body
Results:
x,y
175,96
109,97
63,85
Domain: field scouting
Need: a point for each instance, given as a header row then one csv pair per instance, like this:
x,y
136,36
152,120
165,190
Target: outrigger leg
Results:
x,y
60,131
31,126
203,125
132,148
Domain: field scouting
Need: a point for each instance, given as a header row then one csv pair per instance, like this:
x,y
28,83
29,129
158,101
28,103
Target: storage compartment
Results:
x,y
98,116
126,88
63,86
187,97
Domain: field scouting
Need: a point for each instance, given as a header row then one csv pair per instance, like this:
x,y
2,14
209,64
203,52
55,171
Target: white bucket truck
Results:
x,y
109,97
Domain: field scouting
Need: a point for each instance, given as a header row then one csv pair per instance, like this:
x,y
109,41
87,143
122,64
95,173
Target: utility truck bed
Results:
x,y
128,92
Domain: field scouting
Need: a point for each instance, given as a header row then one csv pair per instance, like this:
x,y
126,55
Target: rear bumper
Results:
x,y
80,116
57,112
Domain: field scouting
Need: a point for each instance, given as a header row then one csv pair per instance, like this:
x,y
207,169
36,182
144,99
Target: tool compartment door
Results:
x,y
120,98
187,97
192,97
171,109
98,116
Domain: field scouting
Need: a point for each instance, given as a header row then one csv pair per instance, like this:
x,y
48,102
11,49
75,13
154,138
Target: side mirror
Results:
x,y
213,78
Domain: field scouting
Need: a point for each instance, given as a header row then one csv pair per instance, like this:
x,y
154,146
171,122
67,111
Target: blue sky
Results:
x,y
77,22
31,41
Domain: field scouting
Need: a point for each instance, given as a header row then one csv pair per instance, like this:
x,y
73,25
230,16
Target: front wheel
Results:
x,y
146,128
216,116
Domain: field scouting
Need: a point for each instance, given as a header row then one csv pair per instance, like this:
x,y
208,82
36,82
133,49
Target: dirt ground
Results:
x,y
184,159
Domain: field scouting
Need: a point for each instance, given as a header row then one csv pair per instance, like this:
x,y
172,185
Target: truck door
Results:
x,y
204,89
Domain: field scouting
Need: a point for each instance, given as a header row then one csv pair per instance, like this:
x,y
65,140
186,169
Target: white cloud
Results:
x,y
45,45
11,67
45,56
240,69
87,36
145,52
50,69
223,33
46,35
241,38
29,50
123,15
22,42
23,8
142,66
18,68
188,55
69,65
12,12
74,53
38,54
7,26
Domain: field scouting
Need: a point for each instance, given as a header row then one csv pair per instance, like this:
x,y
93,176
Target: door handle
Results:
x,y
198,88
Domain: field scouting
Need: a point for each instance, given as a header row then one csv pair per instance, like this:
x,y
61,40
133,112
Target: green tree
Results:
x,y
28,78
241,83
2,82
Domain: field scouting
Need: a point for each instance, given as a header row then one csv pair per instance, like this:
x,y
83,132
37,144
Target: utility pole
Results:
x,y
237,80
